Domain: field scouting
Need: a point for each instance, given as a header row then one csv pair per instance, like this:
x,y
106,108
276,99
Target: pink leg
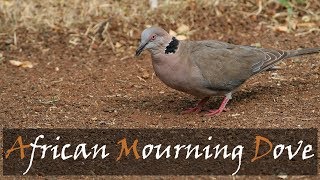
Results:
x,y
221,108
198,108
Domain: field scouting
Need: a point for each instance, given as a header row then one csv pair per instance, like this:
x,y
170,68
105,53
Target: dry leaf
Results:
x,y
118,45
45,50
181,37
15,63
282,176
256,45
281,28
172,33
24,64
183,29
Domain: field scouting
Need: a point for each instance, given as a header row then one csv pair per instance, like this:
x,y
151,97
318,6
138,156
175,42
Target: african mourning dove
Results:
x,y
208,68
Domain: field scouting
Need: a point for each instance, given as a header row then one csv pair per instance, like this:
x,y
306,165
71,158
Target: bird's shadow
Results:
x,y
175,103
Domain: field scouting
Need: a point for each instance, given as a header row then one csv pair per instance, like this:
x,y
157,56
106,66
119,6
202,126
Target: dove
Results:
x,y
208,68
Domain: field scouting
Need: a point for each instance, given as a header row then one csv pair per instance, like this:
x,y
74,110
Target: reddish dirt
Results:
x,y
71,88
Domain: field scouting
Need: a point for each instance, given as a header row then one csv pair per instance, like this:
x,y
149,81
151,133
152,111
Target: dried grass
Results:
x,y
126,17
61,14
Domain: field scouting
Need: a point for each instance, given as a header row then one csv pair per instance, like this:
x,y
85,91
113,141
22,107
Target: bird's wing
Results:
x,y
226,66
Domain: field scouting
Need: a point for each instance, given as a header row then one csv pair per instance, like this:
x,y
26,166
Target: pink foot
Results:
x,y
198,108
216,112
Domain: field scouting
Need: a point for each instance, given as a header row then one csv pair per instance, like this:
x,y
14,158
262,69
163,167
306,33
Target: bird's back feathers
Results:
x,y
226,66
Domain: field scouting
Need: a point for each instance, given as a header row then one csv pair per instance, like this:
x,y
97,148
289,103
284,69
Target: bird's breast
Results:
x,y
171,72
178,74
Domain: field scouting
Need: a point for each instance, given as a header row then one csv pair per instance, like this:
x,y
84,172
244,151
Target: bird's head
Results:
x,y
154,39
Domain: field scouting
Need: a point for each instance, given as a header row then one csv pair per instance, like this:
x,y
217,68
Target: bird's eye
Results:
x,y
153,37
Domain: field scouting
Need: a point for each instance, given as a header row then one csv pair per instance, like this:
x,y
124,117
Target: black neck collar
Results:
x,y
173,46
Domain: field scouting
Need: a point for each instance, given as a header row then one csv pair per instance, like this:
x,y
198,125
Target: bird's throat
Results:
x,y
173,46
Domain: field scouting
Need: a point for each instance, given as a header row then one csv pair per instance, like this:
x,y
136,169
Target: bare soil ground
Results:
x,y
71,88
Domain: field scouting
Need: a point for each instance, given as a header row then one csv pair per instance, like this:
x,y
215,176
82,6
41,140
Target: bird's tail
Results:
x,y
300,52
275,56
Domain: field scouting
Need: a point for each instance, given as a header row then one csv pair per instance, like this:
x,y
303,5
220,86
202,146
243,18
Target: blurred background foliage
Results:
x,y
116,20
71,14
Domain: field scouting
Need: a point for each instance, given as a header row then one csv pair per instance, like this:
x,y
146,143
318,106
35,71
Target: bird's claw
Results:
x,y
216,112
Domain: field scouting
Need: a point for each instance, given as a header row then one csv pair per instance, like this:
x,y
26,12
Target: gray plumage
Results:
x,y
208,68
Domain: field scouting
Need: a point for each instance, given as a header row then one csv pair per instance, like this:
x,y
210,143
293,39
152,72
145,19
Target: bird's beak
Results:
x,y
141,48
